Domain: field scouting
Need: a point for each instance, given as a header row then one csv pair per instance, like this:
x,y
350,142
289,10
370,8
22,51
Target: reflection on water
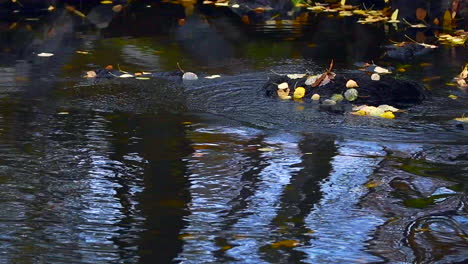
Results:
x,y
133,171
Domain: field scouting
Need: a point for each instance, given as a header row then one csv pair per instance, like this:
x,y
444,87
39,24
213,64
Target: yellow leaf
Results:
x,y
343,2
106,2
447,22
285,243
351,84
388,115
315,97
360,113
454,97
266,149
299,92
461,119
372,184
394,17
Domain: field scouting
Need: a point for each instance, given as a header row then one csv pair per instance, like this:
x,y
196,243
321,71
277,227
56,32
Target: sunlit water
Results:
x,y
145,171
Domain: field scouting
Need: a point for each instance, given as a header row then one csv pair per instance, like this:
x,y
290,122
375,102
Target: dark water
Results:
x,y
156,171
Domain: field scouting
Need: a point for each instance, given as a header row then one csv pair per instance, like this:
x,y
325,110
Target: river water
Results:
x,y
159,171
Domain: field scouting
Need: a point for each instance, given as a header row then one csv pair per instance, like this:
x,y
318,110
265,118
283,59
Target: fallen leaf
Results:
x,y
283,93
351,84
299,93
388,108
117,8
461,119
464,73
63,113
375,77
213,76
296,76
315,97
189,76
381,70
394,17
283,85
266,149
126,75
447,20
142,78
372,184
90,74
388,115
285,243
454,97
106,2
109,67
45,54
82,52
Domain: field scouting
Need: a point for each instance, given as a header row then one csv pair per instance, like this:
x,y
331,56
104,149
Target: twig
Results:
x,y
180,69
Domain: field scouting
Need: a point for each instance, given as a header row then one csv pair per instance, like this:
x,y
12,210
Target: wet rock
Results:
x,y
407,52
389,90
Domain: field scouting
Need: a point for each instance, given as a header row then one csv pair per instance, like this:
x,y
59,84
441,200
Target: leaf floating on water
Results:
x,y
283,85
461,119
315,97
45,54
82,52
454,97
394,17
189,76
266,149
289,243
299,93
283,91
106,2
296,76
376,112
381,70
388,115
126,75
90,74
142,78
375,77
372,184
213,76
63,113
235,6
388,108
351,84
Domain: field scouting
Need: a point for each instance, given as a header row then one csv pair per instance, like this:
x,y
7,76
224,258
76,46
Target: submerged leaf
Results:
x,y
286,243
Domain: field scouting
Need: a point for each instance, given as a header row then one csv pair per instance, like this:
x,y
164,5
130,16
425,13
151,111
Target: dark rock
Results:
x,y
407,52
389,90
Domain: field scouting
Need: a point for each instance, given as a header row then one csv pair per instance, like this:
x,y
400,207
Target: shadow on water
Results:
x,y
137,171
